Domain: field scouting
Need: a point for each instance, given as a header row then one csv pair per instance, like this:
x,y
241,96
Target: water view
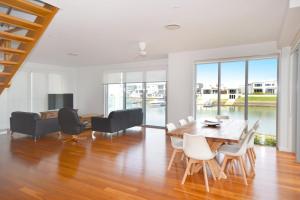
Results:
x,y
267,116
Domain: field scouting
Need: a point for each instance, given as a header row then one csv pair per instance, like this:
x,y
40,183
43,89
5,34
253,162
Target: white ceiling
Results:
x,y
108,31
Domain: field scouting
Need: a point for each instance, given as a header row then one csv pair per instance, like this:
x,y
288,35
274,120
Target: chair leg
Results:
x,y
75,138
211,170
251,161
242,167
172,159
253,153
59,135
93,135
223,166
187,171
182,156
205,176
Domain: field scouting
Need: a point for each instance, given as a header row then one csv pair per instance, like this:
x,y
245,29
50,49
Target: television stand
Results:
x,y
87,118
49,114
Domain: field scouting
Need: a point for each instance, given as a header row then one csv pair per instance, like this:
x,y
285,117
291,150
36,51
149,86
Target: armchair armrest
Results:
x,y
45,126
100,124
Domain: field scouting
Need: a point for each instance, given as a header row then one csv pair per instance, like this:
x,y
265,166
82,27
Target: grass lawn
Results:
x,y
258,98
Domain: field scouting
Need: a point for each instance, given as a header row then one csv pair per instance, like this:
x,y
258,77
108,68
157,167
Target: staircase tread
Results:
x,y
12,36
5,73
12,50
6,62
19,22
27,7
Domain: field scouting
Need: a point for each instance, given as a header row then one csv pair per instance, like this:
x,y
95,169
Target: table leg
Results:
x,y
215,167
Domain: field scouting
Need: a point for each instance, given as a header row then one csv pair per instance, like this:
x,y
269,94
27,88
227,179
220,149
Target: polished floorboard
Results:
x,y
131,166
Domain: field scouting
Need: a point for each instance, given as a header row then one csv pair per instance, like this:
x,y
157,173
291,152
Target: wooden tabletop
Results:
x,y
229,130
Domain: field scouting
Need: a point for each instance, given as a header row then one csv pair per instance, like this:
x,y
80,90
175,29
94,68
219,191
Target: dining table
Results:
x,y
228,131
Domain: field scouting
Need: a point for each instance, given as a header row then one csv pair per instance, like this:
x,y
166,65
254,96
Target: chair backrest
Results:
x,y
190,119
182,122
69,121
244,142
251,138
222,117
256,125
196,147
170,127
253,131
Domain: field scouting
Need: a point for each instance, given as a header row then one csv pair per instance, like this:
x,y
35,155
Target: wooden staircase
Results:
x,y
21,26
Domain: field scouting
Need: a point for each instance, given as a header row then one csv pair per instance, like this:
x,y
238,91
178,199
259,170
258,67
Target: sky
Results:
x,y
233,73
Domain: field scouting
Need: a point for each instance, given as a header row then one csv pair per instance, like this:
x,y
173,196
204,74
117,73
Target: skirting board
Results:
x,y
3,131
285,149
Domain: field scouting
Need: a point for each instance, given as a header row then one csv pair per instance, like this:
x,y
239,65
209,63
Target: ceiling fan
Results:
x,y
142,46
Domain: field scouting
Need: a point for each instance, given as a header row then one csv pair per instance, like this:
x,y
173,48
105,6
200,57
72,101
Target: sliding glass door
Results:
x,y
262,98
134,95
244,89
207,90
232,89
115,97
138,89
156,104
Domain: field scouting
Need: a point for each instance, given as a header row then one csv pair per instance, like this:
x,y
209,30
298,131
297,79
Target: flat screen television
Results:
x,y
58,101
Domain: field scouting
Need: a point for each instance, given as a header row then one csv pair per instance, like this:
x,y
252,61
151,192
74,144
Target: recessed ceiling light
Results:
x,y
73,54
176,6
173,26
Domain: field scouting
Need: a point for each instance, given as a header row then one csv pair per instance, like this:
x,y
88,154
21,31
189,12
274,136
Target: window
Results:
x,y
257,84
114,97
146,90
258,91
232,102
219,93
207,81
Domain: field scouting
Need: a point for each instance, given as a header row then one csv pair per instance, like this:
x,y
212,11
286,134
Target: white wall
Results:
x,y
30,87
284,114
90,87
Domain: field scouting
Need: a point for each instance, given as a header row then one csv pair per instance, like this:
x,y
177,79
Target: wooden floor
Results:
x,y
132,167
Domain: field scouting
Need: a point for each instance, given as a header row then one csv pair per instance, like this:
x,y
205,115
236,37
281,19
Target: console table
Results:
x,y
86,118
49,114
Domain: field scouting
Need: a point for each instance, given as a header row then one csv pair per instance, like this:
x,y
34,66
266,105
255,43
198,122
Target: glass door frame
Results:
x,y
144,99
246,60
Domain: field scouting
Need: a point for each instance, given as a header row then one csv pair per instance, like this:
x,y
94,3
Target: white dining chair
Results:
x,y
182,122
250,149
176,142
250,153
196,148
219,117
236,152
190,119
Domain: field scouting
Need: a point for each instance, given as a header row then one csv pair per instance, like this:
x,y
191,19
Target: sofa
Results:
x,y
118,120
32,124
